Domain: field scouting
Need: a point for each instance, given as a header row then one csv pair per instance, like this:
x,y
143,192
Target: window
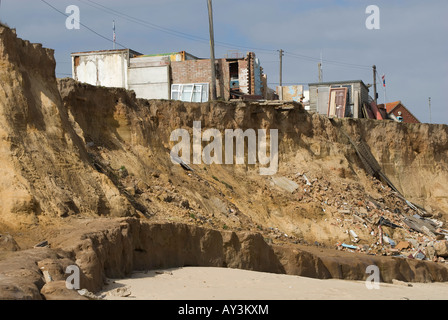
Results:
x,y
175,92
196,92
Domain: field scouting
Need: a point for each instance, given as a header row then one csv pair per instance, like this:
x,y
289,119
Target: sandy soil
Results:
x,y
197,283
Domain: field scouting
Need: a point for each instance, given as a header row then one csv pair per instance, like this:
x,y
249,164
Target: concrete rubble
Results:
x,y
417,237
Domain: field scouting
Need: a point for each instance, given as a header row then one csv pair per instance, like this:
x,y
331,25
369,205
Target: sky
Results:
x,y
410,47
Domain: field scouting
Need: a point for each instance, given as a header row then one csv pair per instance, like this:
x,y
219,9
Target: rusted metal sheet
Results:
x,y
338,102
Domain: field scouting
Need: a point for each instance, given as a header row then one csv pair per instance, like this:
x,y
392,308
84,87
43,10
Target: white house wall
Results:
x,y
108,69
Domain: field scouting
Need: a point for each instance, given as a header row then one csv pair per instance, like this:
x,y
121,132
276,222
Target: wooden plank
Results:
x,y
356,106
332,104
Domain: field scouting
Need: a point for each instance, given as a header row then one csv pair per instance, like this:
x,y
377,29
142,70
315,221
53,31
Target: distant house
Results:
x,y
177,76
339,98
400,112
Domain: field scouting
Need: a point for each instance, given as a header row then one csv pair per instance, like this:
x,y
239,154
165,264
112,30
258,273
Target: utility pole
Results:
x,y
114,35
212,51
430,115
375,98
281,67
320,71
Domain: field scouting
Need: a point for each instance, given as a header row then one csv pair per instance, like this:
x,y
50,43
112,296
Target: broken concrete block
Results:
x,y
57,290
355,237
440,237
285,184
402,245
430,252
47,276
441,248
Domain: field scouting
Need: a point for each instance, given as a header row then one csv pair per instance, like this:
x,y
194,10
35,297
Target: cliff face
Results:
x,y
124,131
71,151
45,167
413,156
74,149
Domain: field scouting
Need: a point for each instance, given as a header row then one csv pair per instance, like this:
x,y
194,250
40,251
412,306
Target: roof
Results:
x,y
407,115
184,54
337,82
392,105
85,53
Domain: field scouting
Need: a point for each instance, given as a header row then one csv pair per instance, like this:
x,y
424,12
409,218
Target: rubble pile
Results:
x,y
385,225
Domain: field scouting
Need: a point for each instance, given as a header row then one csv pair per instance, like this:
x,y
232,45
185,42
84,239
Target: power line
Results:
x,y
217,43
142,22
85,26
333,62
187,36
168,30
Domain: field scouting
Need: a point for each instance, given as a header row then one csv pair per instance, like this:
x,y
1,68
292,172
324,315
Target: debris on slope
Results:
x,y
392,226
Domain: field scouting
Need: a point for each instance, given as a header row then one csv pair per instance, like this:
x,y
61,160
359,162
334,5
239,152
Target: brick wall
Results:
x,y
199,71
407,116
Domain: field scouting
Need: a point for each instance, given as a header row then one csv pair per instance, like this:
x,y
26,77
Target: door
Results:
x,y
337,103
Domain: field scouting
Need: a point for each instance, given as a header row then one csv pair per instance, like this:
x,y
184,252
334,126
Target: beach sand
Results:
x,y
199,283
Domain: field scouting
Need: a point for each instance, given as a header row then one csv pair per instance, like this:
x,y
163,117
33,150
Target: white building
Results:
x,y
148,76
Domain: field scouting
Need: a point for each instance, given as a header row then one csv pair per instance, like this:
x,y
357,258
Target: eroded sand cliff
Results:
x,y
88,170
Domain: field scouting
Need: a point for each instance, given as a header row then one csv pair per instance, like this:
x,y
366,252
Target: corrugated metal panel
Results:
x,y
323,97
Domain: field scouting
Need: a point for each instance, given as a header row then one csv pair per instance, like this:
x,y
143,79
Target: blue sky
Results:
x,y
410,47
